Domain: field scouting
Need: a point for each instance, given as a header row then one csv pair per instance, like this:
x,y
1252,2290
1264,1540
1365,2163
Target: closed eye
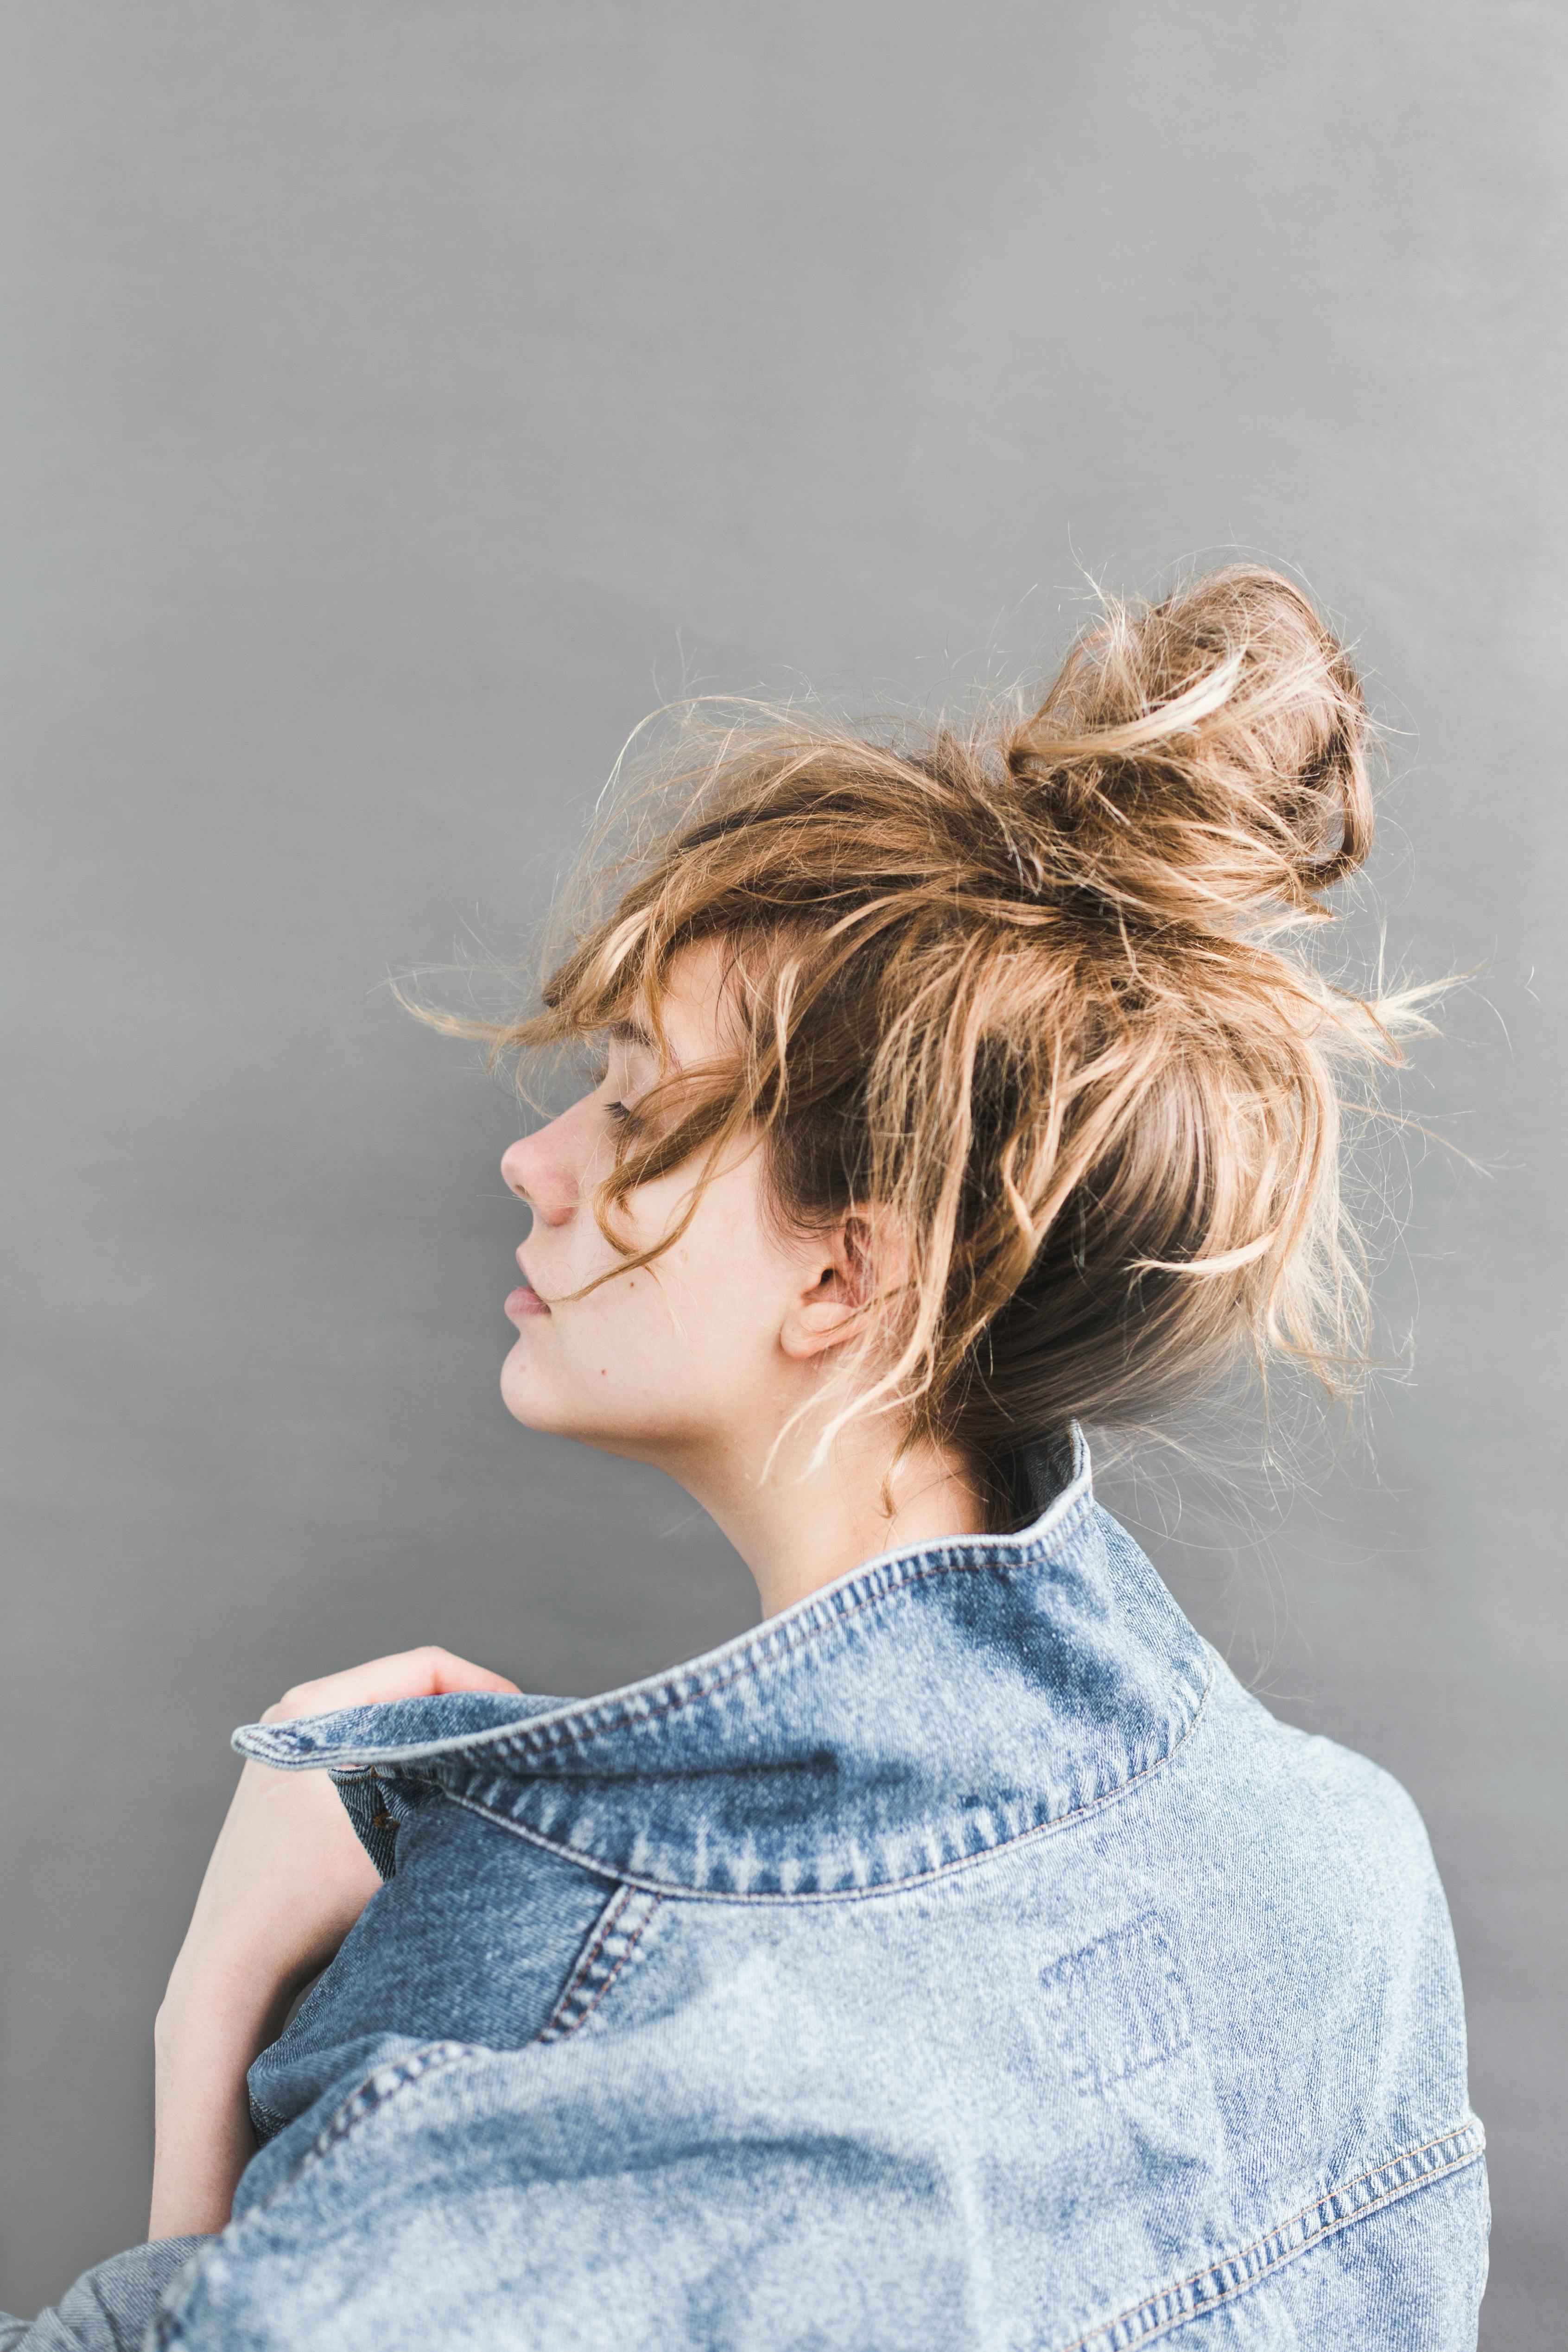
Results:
x,y
622,1116
619,1114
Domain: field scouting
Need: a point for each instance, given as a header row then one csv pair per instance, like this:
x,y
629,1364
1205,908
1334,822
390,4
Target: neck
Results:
x,y
798,1527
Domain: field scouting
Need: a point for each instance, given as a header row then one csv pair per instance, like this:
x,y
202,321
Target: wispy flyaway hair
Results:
x,y
1035,993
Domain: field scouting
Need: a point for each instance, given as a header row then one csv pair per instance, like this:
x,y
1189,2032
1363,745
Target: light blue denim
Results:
x,y
960,1960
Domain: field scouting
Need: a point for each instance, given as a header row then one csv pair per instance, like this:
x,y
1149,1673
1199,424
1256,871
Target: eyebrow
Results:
x,y
632,1033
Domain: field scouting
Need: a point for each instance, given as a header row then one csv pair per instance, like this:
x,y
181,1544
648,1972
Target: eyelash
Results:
x,y
617,1113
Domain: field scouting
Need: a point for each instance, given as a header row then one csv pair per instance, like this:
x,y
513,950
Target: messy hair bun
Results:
x,y
1036,985
1201,761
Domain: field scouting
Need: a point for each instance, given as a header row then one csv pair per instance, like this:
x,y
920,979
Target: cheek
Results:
x,y
684,1344
636,1366
725,1290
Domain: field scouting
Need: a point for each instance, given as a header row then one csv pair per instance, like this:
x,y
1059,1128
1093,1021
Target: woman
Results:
x,y
961,1958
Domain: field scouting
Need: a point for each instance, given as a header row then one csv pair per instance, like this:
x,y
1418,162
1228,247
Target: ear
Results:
x,y
846,1265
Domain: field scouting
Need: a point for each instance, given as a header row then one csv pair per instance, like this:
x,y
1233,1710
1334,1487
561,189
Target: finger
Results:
x,y
420,1674
407,1674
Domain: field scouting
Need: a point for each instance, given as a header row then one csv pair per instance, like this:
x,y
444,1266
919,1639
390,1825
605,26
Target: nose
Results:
x,y
540,1171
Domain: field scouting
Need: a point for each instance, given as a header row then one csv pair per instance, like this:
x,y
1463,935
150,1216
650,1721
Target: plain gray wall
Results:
x,y
401,395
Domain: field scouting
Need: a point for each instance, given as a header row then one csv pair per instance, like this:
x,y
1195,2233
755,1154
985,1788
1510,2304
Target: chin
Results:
x,y
530,1413
528,1400
522,1393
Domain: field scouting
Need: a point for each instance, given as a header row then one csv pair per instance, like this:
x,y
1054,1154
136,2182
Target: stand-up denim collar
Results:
x,y
929,1708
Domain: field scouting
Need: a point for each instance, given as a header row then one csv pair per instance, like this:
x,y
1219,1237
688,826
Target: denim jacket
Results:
x,y
961,1959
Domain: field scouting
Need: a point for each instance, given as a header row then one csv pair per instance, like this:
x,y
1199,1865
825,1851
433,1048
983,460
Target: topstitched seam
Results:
x,y
582,2015
603,1929
1469,2130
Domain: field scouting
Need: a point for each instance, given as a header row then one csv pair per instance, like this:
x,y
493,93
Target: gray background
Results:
x,y
400,397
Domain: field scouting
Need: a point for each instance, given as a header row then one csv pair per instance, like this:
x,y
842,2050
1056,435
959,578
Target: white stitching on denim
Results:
x,y
1235,2274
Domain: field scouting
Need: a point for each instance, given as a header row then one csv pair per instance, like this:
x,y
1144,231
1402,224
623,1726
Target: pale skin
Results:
x,y
706,1364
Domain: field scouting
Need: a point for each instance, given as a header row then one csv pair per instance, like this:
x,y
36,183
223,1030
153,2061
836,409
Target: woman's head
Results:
x,y
658,1347
1003,1032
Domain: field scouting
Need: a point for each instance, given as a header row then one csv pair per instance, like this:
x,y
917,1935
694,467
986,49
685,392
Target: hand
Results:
x,y
286,1881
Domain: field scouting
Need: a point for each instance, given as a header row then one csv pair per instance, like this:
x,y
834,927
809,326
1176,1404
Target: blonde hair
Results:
x,y
1035,989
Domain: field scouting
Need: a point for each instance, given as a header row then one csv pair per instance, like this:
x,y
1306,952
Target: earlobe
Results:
x,y
817,1323
832,1310
824,1315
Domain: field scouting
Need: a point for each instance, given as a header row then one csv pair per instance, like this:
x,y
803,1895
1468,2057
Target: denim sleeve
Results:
x,y
109,2308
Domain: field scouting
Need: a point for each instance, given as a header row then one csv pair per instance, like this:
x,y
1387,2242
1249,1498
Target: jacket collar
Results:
x,y
930,1707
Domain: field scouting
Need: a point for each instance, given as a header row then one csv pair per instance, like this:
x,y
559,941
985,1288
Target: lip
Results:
x,y
524,1300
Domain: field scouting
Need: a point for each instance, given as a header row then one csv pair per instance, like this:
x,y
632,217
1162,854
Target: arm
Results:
x,y
286,1881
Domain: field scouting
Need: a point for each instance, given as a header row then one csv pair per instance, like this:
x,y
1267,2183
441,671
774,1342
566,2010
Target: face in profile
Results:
x,y
714,1341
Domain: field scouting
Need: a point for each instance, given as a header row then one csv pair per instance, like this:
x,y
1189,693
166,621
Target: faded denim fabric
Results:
x,y
960,1960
